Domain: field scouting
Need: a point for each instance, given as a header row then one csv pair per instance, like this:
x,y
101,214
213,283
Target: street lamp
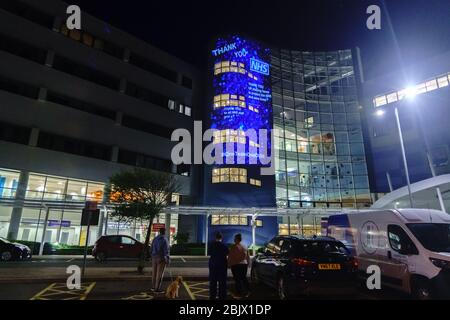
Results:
x,y
380,112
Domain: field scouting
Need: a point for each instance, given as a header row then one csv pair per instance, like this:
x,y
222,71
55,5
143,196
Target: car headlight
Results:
x,y
440,263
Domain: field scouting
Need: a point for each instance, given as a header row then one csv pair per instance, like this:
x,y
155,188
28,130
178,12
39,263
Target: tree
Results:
x,y
141,194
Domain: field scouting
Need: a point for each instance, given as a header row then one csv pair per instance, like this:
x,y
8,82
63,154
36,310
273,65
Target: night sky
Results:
x,y
411,29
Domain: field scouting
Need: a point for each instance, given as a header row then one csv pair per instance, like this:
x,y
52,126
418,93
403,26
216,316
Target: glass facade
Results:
x,y
64,226
319,152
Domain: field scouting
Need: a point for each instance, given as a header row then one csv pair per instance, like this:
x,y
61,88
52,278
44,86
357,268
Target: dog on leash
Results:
x,y
173,288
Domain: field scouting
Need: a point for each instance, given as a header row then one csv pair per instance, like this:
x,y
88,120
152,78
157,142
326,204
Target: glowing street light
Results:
x,y
379,112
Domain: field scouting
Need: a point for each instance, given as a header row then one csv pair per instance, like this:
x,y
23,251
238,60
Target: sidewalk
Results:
x,y
58,274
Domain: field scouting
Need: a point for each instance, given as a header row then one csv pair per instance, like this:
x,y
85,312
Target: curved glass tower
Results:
x,y
320,158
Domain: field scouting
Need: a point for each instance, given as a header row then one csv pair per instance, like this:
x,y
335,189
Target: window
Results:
x,y
400,241
22,49
153,67
186,82
128,241
80,105
74,146
380,101
145,126
240,220
442,82
232,136
84,72
92,41
147,95
187,111
229,100
171,104
27,12
433,236
19,88
14,133
234,175
141,160
255,182
259,223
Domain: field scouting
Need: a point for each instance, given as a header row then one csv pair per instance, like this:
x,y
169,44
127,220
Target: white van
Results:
x,y
411,247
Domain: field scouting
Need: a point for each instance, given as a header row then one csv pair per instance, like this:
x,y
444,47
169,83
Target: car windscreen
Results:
x,y
433,236
319,248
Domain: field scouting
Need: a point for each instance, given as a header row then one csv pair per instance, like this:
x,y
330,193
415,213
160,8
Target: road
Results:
x,y
60,261
137,288
140,290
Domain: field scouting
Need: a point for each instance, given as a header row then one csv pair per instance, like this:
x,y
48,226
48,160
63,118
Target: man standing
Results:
x,y
160,258
218,268
238,261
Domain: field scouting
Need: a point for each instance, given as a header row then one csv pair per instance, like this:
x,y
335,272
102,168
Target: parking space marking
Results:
x,y
140,296
197,289
182,259
59,291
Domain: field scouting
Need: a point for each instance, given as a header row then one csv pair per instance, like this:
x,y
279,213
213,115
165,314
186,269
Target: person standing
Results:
x,y
238,261
160,258
218,268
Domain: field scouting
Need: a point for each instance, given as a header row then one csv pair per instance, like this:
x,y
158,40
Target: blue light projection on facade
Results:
x,y
242,94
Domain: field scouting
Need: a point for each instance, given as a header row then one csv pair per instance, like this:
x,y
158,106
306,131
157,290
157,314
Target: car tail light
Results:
x,y
303,262
353,262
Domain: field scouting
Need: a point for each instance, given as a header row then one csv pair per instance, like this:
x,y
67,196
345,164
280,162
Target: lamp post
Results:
x,y
379,113
405,162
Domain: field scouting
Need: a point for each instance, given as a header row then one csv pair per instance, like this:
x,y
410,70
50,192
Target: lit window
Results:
x,y
187,111
218,219
255,182
233,175
171,105
442,82
259,223
380,101
392,97
421,88
431,85
229,100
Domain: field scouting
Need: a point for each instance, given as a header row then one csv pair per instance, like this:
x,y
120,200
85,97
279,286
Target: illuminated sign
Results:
x,y
242,98
259,66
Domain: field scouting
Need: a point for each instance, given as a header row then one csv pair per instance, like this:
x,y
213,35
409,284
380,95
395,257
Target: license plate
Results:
x,y
329,266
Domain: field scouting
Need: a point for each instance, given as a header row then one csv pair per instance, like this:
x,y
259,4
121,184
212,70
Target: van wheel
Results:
x,y
421,290
254,276
281,288
6,256
100,256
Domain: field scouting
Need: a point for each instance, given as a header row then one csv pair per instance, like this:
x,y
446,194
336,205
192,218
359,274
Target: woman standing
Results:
x,y
238,261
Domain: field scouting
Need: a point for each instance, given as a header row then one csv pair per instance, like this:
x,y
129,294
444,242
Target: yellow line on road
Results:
x,y
36,296
64,293
88,290
188,290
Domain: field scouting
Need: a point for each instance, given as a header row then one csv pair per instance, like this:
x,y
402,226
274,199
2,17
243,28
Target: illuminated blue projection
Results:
x,y
241,89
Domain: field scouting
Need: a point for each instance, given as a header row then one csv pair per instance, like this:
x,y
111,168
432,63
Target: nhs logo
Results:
x,y
259,66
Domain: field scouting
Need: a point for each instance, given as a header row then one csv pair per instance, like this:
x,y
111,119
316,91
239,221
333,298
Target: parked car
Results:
x,y
118,246
295,265
411,247
13,251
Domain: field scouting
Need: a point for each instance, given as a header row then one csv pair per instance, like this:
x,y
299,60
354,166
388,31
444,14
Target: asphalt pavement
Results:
x,y
44,278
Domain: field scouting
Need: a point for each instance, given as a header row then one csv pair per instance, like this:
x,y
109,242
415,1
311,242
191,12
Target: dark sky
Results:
x,y
411,29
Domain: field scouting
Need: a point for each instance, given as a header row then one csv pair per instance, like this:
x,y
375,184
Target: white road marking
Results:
x,y
183,259
70,260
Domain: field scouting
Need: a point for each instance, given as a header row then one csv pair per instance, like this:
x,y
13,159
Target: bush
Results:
x,y
54,249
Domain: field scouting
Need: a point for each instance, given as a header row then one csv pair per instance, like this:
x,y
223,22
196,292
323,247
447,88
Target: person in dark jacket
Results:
x,y
218,268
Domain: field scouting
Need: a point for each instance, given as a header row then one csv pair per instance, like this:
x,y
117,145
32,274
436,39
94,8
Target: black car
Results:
x,y
13,251
295,265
